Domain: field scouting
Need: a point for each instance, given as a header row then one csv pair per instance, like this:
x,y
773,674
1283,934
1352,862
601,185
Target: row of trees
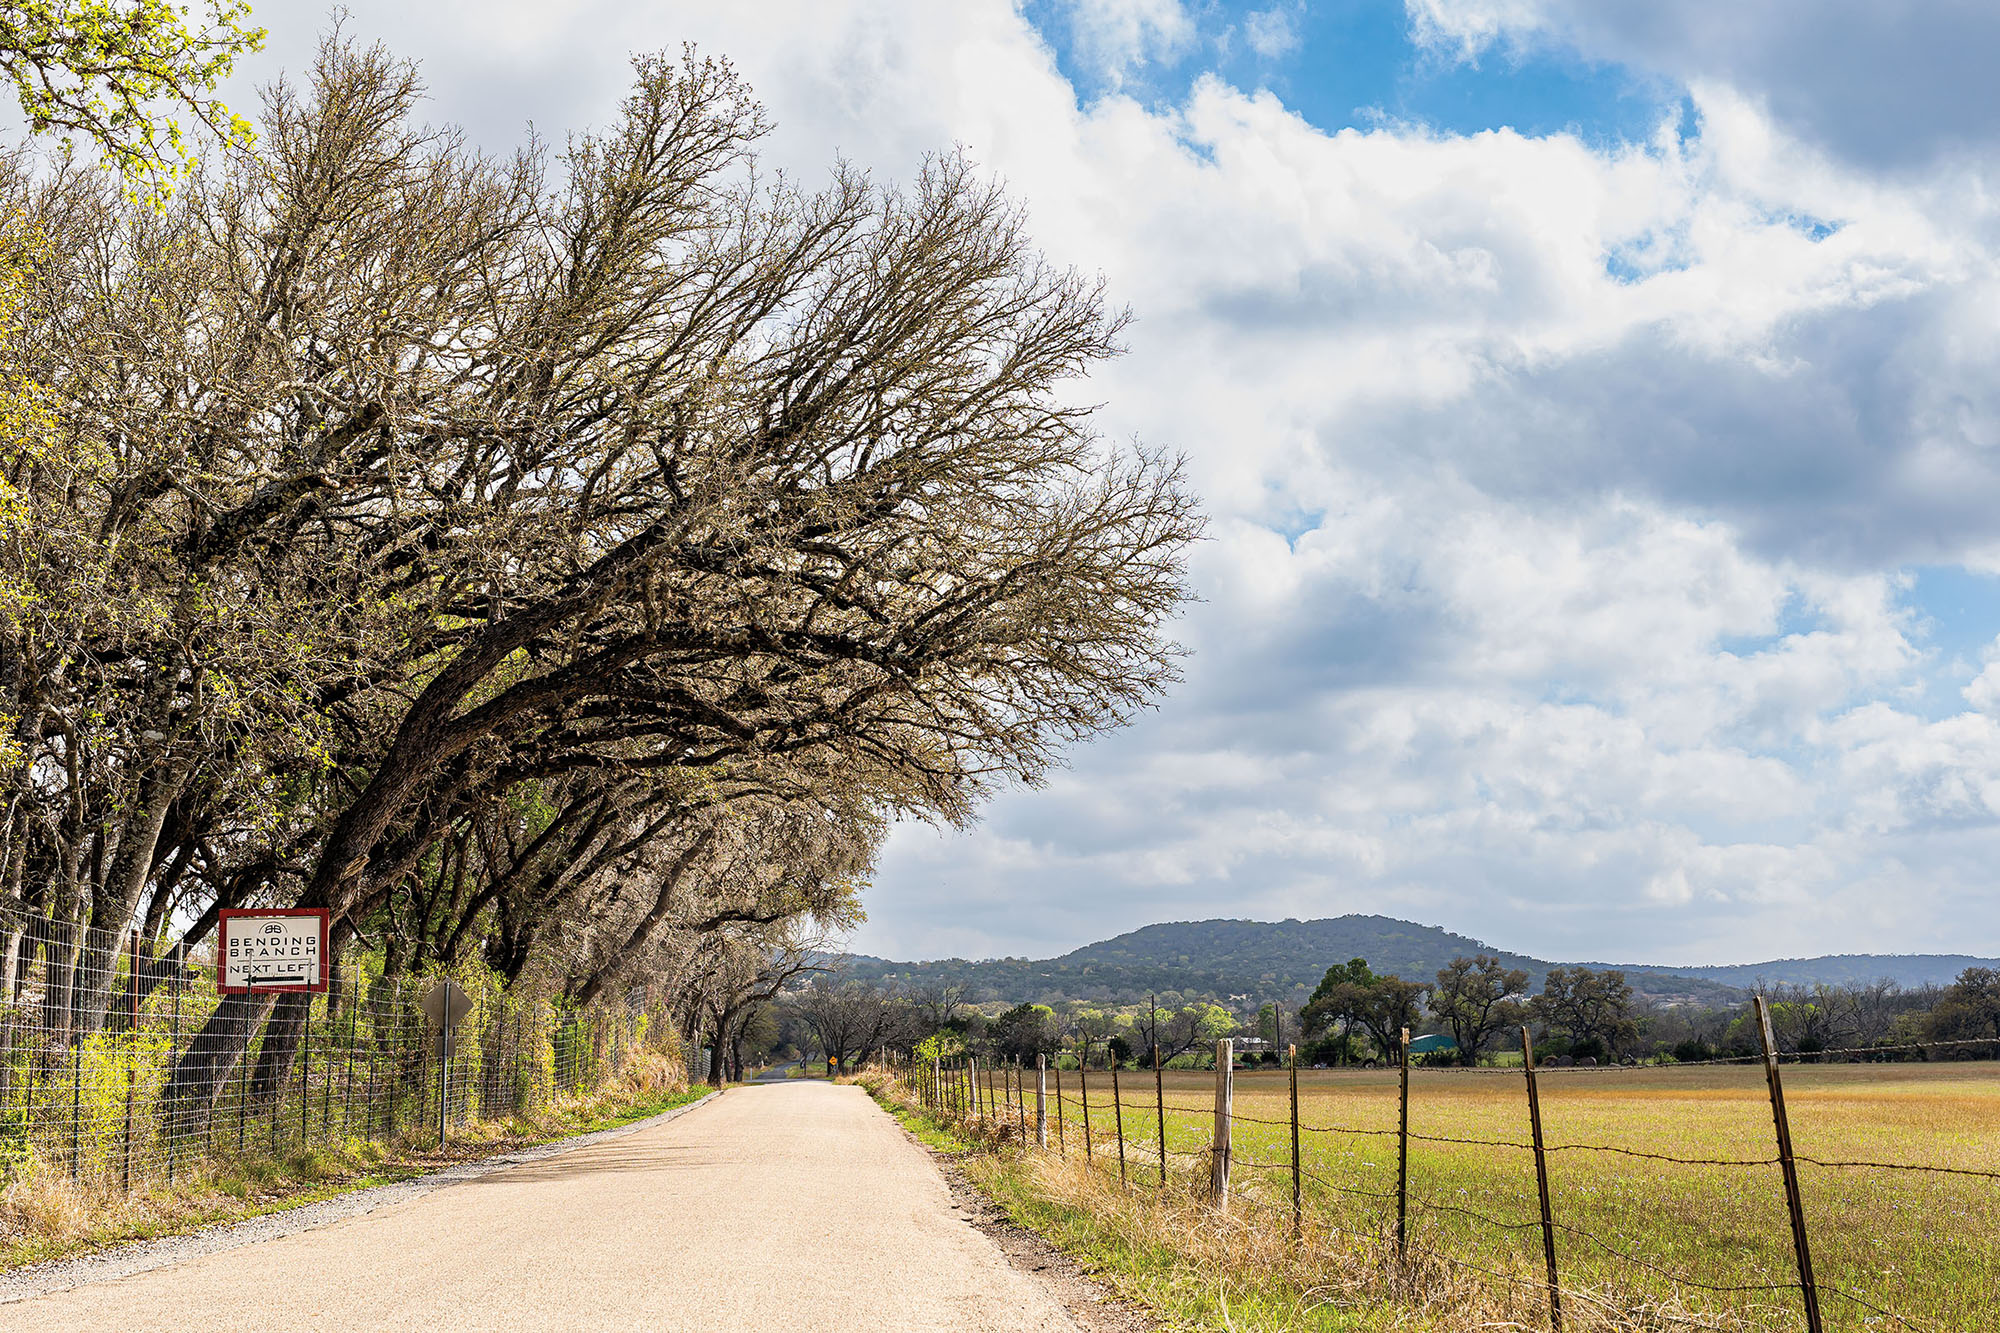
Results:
x,y
807,1008
1586,1014
852,1021
566,565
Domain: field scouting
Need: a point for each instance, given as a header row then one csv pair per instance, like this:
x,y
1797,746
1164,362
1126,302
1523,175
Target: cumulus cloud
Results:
x,y
1561,489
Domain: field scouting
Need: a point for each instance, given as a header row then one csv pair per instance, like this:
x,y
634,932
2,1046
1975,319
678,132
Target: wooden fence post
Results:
x,y
1298,1216
1542,1180
972,1083
1793,1203
1118,1109
1042,1101
1403,1156
1020,1100
1218,1149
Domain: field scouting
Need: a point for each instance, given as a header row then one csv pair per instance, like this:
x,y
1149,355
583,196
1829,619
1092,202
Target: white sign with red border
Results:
x,y
271,951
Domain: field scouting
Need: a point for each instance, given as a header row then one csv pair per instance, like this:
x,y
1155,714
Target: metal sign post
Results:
x,y
445,1006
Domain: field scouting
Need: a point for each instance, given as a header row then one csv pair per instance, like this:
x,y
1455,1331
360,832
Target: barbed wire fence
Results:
x,y
1379,1202
122,1068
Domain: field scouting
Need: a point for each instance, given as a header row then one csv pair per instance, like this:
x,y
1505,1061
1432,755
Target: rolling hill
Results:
x,y
1255,961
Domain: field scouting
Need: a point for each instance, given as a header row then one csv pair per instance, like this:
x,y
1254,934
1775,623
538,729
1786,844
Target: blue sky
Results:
x,y
1595,405
1355,63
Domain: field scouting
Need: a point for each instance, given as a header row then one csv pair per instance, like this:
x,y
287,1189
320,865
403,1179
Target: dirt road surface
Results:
x,y
786,1206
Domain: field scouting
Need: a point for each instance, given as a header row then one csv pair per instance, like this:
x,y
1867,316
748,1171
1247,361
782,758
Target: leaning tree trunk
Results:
x,y
211,1059
275,1057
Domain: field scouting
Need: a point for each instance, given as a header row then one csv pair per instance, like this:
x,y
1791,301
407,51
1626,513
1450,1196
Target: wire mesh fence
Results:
x,y
122,1067
1685,1192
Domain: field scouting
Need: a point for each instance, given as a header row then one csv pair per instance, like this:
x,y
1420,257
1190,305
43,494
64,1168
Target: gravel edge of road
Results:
x,y
1090,1303
143,1256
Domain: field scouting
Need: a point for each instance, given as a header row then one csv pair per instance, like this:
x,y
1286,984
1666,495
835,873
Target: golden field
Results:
x,y
1638,1235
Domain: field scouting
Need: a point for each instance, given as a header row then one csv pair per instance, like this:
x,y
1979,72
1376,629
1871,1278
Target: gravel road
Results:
x,y
787,1206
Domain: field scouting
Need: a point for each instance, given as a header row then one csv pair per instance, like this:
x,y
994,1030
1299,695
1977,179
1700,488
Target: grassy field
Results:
x,y
1923,1245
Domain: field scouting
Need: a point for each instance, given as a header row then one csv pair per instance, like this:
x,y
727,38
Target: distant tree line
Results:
x,y
853,1020
1582,1014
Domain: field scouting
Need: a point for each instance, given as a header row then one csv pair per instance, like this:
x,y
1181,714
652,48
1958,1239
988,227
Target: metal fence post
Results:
x,y
396,1035
131,1051
1542,1180
1793,1203
1218,1152
1403,1156
75,1068
353,1036
305,1072
1041,1101
173,1055
326,1078
1298,1216
444,1076
1083,1083
243,1062
1118,1109
368,1107
1160,1103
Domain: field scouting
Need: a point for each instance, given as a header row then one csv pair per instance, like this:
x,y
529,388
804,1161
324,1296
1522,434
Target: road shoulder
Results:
x,y
1094,1307
144,1256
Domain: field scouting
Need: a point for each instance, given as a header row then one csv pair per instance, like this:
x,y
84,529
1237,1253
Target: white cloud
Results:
x,y
1272,33
1467,28
1117,37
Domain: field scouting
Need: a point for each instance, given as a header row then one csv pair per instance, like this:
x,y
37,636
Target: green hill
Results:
x,y
1250,962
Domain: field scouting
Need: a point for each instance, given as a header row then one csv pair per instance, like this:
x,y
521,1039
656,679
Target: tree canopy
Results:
x,y
118,74
554,562
1476,999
